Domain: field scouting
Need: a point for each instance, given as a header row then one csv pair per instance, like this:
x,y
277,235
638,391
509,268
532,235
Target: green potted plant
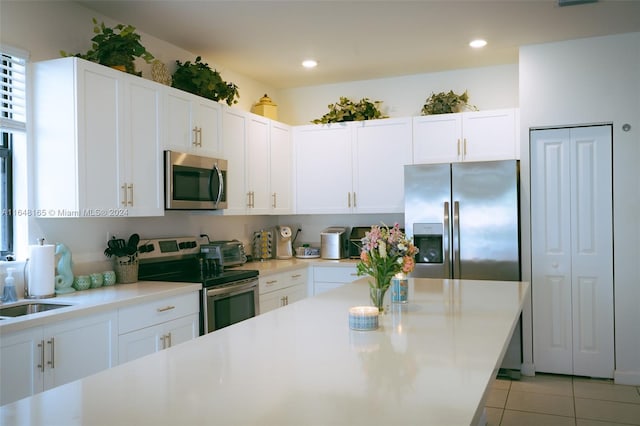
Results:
x,y
198,78
115,47
347,110
445,103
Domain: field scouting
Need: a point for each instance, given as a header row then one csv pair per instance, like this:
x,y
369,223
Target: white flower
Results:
x,y
382,248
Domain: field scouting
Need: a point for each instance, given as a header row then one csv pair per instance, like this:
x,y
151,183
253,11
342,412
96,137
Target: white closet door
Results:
x,y
551,251
592,251
572,276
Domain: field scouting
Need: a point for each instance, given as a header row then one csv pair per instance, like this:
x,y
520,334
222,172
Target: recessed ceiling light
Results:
x,y
309,63
476,44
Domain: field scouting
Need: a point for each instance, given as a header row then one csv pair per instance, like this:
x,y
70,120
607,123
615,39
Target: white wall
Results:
x,y
488,88
587,81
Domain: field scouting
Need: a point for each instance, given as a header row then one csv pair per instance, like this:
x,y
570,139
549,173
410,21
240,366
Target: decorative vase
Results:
x,y
377,296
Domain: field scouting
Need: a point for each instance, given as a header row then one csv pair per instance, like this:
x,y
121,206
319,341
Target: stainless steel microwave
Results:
x,y
193,182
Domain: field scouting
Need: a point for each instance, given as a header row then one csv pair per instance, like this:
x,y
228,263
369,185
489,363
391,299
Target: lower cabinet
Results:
x,y
281,289
326,278
154,326
41,358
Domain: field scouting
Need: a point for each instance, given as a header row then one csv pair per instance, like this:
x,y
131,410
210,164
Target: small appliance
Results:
x,y
263,244
194,182
284,249
334,242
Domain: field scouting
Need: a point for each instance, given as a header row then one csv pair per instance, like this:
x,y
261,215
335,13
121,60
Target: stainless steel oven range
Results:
x,y
228,295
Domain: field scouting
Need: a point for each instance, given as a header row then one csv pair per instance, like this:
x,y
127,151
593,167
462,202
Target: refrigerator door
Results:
x,y
485,216
427,213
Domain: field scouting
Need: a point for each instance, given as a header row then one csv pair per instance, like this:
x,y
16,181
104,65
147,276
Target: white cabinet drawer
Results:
x,y
156,312
334,274
272,282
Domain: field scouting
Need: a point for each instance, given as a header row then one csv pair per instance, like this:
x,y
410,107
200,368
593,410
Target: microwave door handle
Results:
x,y
216,198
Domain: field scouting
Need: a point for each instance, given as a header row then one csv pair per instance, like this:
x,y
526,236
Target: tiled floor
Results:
x,y
550,400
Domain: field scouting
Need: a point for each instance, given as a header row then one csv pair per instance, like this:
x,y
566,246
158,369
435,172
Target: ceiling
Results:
x,y
359,40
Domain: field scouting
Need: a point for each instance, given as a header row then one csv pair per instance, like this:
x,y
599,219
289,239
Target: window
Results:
x,y
12,120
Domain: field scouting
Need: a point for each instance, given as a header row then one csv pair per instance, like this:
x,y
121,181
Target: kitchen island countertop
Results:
x,y
430,362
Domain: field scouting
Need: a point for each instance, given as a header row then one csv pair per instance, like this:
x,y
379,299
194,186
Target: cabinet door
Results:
x,y
323,169
78,348
257,154
437,139
381,150
141,180
180,133
489,135
139,343
208,119
281,166
271,301
295,293
21,365
182,330
572,253
234,137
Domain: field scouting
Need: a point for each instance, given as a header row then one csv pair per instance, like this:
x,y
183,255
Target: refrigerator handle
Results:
x,y
445,241
456,240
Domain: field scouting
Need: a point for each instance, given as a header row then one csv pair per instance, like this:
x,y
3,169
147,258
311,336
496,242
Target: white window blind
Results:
x,y
13,76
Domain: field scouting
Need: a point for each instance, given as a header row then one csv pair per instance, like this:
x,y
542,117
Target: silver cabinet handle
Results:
x,y
354,201
130,187
164,345
272,282
197,136
464,151
296,276
169,338
166,308
41,346
274,200
52,351
286,299
124,190
349,199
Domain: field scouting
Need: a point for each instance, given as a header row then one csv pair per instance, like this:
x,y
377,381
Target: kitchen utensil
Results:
x,y
132,244
116,247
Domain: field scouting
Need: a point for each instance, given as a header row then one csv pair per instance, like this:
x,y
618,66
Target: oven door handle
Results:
x,y
231,290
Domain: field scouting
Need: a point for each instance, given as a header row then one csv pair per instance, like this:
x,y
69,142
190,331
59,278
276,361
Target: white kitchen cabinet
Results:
x,y
97,141
41,358
468,136
194,123
326,278
572,251
356,167
258,151
281,289
150,327
281,168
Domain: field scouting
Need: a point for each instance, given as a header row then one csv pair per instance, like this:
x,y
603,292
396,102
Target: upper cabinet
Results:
x,y
193,123
355,167
258,151
97,141
468,136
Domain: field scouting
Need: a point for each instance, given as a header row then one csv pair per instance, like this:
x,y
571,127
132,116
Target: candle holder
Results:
x,y
399,288
363,318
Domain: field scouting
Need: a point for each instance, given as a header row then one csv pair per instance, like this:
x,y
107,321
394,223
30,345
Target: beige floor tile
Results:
x,y
520,418
620,412
497,398
494,416
501,384
558,405
606,391
550,384
585,422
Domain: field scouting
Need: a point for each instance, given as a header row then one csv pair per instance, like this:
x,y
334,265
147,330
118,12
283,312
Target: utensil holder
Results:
x,y
126,268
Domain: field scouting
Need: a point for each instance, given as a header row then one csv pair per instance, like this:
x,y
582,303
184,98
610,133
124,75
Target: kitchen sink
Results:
x,y
29,308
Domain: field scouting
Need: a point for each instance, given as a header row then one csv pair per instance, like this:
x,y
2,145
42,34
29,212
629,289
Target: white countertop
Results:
x,y
429,363
96,300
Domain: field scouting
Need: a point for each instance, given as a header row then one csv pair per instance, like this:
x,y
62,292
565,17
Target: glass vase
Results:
x,y
377,297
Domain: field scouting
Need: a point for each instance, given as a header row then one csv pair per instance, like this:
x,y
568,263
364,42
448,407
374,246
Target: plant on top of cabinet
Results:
x,y
198,78
445,103
347,110
115,47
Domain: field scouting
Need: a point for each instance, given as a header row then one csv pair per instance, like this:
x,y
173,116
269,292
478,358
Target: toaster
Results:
x,y
334,242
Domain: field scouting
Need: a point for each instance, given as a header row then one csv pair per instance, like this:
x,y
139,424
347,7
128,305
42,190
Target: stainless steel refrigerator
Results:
x,y
464,219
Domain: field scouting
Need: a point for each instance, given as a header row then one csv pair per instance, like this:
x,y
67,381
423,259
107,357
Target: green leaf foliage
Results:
x,y
347,110
445,103
198,78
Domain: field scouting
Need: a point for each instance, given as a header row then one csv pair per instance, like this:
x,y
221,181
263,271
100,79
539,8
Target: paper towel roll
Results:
x,y
41,271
